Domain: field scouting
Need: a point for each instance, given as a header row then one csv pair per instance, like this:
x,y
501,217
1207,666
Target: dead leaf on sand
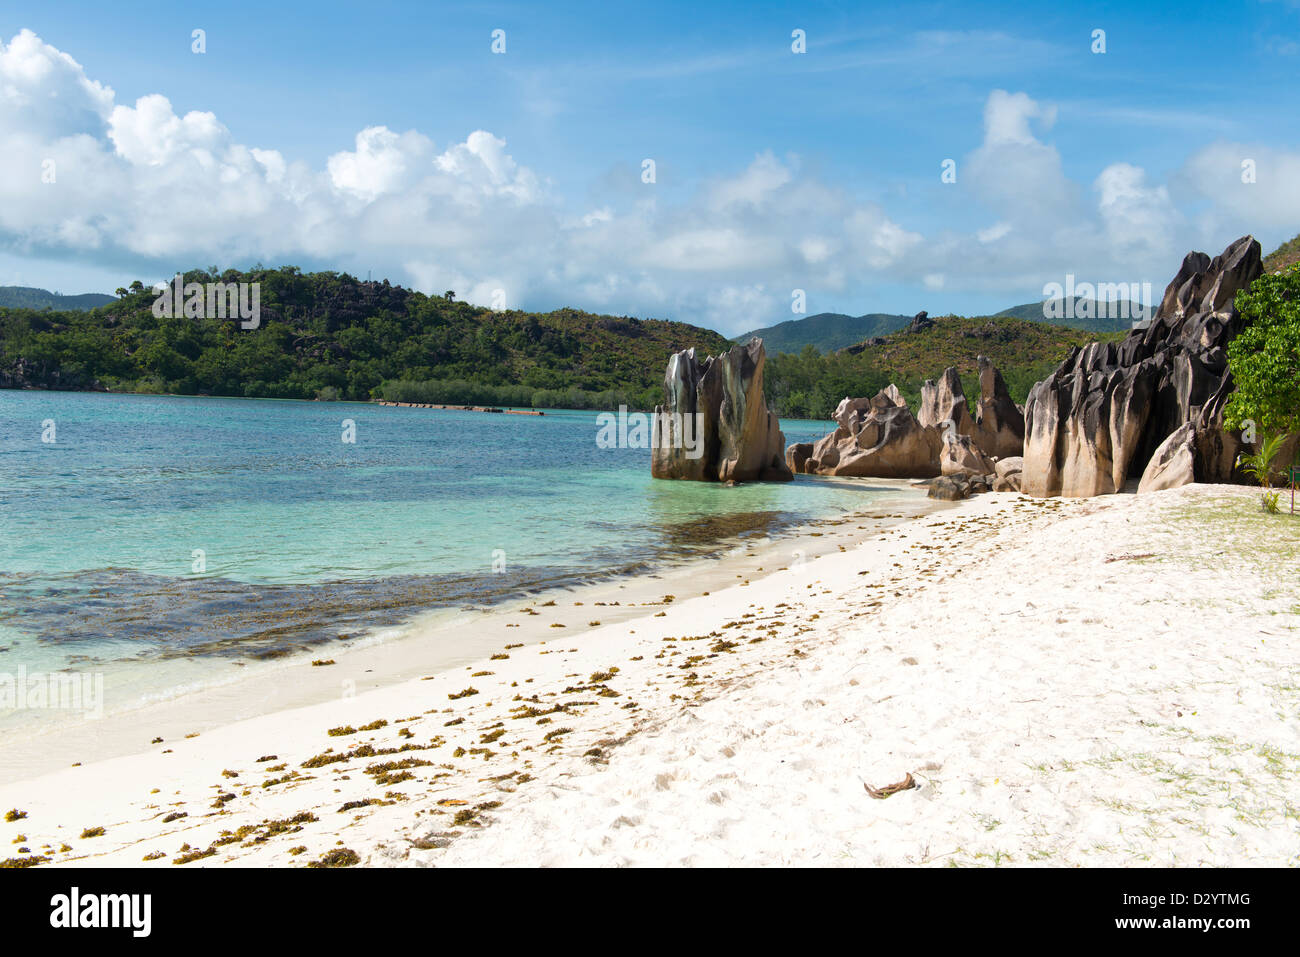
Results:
x,y
881,793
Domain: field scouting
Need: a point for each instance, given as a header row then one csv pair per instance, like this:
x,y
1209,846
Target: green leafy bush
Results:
x,y
1265,356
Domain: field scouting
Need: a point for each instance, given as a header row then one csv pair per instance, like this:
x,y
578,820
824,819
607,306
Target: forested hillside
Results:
x,y
329,335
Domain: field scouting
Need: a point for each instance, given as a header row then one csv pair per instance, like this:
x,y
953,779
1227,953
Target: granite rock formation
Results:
x,y
943,402
1103,415
999,422
961,454
877,437
880,438
739,438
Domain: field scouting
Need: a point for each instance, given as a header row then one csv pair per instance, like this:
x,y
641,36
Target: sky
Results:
x,y
799,150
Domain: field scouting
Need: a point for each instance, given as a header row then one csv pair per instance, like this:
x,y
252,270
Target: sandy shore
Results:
x,y
1109,681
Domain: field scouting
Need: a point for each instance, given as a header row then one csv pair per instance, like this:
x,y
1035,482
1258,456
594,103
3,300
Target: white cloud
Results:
x,y
1215,172
150,134
755,186
46,93
1012,171
993,233
1134,213
383,162
142,186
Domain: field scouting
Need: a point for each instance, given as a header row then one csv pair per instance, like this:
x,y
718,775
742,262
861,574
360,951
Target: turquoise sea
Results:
x,y
141,528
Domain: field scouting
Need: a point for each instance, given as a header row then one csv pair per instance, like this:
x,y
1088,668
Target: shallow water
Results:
x,y
153,528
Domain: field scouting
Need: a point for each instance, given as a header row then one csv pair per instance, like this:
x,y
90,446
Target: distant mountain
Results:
x,y
827,331
1085,314
26,297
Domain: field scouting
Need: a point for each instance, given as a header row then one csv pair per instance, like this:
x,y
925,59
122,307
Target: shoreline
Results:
x,y
420,645
1030,663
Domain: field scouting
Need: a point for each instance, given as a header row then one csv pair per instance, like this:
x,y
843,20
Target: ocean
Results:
x,y
136,530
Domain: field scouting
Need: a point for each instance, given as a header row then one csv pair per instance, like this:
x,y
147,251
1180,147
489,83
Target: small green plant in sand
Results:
x,y
1258,465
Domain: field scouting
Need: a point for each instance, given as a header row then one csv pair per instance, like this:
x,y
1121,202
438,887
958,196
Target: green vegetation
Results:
x,y
1285,256
811,384
1265,356
1257,464
328,335
828,331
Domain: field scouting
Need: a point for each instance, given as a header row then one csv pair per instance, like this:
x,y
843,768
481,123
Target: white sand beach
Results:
x,y
1111,681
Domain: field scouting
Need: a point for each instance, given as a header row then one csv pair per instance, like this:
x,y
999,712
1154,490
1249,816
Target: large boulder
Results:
x,y
1007,483
741,438
878,438
997,429
1014,464
920,323
950,488
961,455
1173,463
1103,414
999,422
797,454
944,402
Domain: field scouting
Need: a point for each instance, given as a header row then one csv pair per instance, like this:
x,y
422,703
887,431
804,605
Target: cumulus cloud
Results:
x,y
141,187
1134,213
1249,182
1013,171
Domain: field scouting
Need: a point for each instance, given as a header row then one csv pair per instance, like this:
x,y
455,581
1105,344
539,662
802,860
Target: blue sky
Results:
x,y
521,172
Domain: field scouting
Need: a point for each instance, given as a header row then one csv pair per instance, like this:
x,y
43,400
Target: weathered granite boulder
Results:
x,y
961,455
1173,463
920,322
997,429
950,488
877,437
944,401
999,422
797,454
739,438
1006,474
880,438
1007,483
1012,465
690,387
1101,416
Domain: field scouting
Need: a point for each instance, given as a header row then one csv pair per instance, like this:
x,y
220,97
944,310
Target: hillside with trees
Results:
x,y
329,335
811,383
1282,258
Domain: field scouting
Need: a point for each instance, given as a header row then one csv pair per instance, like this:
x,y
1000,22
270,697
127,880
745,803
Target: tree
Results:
x,y
1265,357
